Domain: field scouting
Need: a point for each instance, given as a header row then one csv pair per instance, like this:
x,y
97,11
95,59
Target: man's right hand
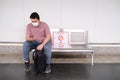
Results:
x,y
29,38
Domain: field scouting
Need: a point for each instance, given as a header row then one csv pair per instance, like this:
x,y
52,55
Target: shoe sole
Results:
x,y
28,69
47,72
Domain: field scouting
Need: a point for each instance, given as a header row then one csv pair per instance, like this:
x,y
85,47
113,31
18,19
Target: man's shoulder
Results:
x,y
43,23
29,25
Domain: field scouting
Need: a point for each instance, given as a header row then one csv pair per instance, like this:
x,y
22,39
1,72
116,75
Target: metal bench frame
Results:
x,y
83,34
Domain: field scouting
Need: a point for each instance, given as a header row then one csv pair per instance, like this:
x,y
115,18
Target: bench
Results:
x,y
78,41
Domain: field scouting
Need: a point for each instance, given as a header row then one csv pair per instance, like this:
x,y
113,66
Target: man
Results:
x,y
37,37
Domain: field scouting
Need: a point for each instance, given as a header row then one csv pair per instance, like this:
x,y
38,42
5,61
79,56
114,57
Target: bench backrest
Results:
x,y
77,36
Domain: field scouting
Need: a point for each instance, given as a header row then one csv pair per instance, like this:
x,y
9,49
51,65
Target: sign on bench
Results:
x,y
60,39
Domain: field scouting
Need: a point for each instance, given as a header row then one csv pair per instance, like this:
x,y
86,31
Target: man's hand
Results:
x,y
29,38
40,47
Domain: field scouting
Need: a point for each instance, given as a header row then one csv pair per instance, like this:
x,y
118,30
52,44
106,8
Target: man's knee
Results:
x,y
48,44
47,47
26,43
26,46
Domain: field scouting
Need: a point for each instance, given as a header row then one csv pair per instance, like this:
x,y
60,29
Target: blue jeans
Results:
x,y
28,45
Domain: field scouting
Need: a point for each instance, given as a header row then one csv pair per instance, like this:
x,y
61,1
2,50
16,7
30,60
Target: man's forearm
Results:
x,y
46,39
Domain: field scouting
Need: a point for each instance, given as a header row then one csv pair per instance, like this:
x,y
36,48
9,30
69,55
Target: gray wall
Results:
x,y
100,17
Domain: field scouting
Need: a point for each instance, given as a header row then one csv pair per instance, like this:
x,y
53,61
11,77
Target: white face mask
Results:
x,y
35,24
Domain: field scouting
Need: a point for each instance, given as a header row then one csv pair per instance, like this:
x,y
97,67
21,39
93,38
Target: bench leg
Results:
x,y
92,58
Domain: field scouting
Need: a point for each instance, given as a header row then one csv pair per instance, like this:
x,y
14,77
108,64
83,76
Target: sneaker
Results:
x,y
47,70
27,66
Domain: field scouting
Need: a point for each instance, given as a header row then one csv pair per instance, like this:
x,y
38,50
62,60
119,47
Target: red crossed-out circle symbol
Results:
x,y
60,37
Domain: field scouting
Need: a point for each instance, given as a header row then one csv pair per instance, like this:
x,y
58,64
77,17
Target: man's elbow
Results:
x,y
49,36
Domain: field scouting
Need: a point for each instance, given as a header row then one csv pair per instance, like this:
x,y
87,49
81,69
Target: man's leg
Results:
x,y
47,52
27,46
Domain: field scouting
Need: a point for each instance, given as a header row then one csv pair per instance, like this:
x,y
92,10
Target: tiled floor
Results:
x,y
62,72
105,68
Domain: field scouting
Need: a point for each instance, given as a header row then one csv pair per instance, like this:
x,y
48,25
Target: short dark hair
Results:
x,y
34,15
